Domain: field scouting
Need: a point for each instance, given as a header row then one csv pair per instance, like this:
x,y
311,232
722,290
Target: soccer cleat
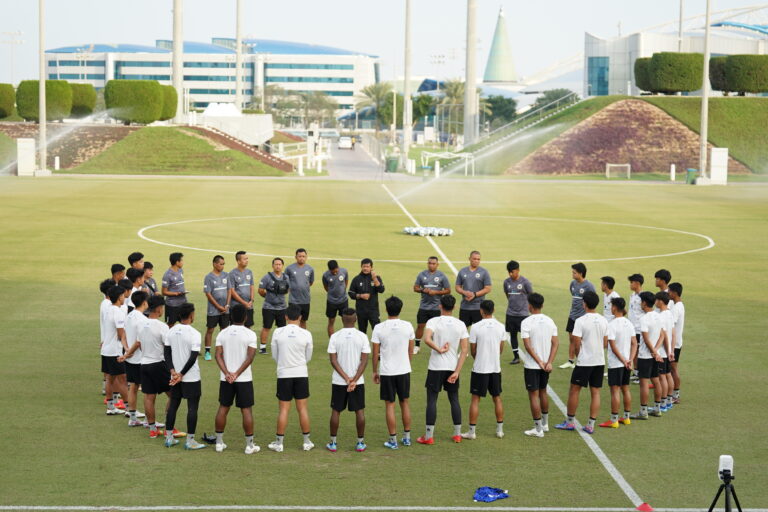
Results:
x,y
500,434
468,435
655,413
220,447
140,414
251,449
170,443
545,428
360,446
670,405
275,446
391,445
534,433
638,416
565,426
456,439
406,441
114,412
263,351
120,404
625,421
135,423
515,361
207,355
567,365
610,424
331,447
663,408
308,446
192,444
675,400
424,440
154,434
588,429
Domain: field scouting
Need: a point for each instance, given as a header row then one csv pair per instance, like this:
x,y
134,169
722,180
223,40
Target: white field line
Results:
x,y
600,454
348,508
710,243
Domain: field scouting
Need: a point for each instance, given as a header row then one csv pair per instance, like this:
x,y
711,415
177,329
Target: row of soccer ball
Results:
x,y
428,231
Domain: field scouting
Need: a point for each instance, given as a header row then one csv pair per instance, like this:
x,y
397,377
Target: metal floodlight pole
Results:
x,y
407,104
12,42
470,106
178,58
394,116
705,101
680,30
238,57
43,140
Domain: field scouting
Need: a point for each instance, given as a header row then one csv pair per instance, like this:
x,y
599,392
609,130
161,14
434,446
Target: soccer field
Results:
x,y
60,235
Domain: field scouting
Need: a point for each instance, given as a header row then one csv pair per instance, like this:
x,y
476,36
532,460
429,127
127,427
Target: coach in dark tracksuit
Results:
x,y
365,289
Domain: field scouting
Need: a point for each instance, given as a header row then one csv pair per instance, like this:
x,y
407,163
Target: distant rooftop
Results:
x,y
285,47
108,48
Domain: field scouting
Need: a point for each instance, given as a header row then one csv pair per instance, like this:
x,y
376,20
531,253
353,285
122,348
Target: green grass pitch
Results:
x,y
59,237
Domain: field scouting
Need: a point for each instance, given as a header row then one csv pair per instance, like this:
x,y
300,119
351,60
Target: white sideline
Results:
x,y
362,508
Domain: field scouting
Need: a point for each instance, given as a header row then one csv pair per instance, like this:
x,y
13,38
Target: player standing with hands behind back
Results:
x,y
365,289
472,283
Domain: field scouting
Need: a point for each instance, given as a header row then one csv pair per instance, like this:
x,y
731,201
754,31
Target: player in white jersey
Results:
x,y
635,313
486,342
292,350
393,346
348,351
104,286
665,369
622,349
236,347
606,285
678,312
448,338
648,357
590,333
113,346
539,334
182,347
134,323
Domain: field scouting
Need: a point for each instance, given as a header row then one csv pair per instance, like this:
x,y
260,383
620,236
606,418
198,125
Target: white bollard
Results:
x,y
280,149
56,163
437,168
319,165
672,172
301,166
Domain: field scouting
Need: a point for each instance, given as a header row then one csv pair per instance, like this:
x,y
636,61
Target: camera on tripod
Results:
x,y
725,468
725,473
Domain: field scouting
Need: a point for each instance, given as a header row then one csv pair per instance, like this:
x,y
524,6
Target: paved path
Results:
x,y
357,165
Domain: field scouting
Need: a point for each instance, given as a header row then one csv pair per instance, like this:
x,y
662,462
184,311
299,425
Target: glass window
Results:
x,y
311,79
329,93
597,76
142,77
83,62
143,64
79,76
210,65
209,78
219,91
270,65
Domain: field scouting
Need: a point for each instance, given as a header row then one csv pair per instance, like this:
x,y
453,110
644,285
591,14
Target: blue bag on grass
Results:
x,y
489,494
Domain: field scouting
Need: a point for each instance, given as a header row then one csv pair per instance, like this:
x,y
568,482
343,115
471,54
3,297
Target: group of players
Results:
x,y
141,351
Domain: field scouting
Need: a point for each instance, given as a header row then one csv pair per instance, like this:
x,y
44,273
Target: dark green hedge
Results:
x,y
170,99
83,100
717,74
58,100
134,101
642,74
7,99
676,72
747,73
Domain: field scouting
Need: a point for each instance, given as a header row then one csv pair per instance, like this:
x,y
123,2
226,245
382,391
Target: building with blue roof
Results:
x,y
209,68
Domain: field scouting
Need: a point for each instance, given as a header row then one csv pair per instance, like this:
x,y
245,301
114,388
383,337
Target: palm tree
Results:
x,y
374,95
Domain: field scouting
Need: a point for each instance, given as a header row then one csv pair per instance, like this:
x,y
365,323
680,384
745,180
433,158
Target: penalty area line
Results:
x,y
429,238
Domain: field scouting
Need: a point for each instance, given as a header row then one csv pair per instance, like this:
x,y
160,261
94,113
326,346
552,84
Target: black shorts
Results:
x,y
481,384
647,368
304,311
351,400
664,366
268,316
155,378
241,393
110,366
618,376
171,314
535,379
133,373
249,318
292,388
512,324
222,321
331,309
438,379
187,390
569,326
366,318
591,376
392,385
424,315
677,354
469,316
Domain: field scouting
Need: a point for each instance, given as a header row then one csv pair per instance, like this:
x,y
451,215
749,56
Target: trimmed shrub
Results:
x,y
676,72
134,101
58,100
7,99
83,100
717,74
170,99
747,73
642,74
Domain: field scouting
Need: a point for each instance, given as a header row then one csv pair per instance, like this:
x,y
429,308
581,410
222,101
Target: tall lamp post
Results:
x,y
238,57
43,140
178,58
12,41
470,105
407,104
705,101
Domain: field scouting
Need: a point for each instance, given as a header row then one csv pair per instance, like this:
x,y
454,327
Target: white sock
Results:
x,y
306,437
249,440
333,439
407,434
430,432
457,430
499,426
538,424
545,419
219,437
471,428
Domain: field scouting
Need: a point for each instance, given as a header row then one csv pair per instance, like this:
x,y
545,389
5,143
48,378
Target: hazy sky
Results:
x,y
541,32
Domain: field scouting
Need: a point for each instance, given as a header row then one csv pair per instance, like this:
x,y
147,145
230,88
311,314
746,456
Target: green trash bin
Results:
x,y
690,176
392,164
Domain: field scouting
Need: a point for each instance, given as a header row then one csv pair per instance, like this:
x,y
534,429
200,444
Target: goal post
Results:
x,y
617,170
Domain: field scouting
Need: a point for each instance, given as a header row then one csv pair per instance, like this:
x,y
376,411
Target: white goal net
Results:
x,y
614,170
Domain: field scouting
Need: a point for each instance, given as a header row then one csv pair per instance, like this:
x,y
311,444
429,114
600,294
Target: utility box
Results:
x,y
25,157
718,166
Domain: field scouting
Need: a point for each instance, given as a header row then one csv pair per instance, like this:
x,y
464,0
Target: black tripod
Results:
x,y
726,486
